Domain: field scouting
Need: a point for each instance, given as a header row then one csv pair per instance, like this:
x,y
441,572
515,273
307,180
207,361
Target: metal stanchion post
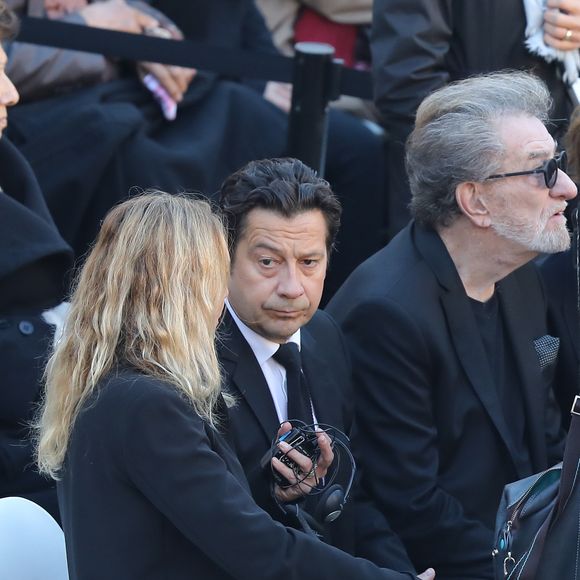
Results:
x,y
315,84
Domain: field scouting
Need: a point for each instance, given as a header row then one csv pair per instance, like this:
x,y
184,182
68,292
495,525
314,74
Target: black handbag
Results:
x,y
538,521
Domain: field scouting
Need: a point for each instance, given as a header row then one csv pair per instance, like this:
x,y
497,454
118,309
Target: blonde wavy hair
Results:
x,y
149,295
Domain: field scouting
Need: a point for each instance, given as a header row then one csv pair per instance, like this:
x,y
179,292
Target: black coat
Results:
x,y
33,262
150,491
421,45
92,141
253,423
90,147
436,445
559,275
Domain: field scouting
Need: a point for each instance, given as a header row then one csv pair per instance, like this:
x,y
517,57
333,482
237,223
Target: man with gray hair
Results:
x,y
446,325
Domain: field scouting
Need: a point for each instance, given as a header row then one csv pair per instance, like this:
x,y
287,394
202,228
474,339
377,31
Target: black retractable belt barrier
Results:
x,y
140,47
317,78
227,61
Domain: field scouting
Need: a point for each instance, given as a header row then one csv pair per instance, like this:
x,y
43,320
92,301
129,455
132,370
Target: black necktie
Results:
x,y
299,407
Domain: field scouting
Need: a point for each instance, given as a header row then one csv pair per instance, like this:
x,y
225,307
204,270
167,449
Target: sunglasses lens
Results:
x,y
563,161
551,173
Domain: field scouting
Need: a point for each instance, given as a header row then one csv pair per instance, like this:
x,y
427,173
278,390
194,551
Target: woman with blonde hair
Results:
x,y
148,488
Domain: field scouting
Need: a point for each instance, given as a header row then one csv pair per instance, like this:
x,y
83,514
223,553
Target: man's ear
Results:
x,y
472,203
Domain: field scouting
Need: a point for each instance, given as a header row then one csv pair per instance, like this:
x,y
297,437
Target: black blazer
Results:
x,y
150,491
559,275
436,447
253,423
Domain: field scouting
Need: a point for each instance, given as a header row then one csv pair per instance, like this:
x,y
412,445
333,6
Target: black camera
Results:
x,y
302,440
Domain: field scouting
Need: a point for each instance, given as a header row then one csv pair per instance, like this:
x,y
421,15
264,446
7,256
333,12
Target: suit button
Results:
x,y
26,328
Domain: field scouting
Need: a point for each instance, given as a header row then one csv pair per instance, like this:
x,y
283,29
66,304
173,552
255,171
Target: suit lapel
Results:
x,y
463,329
244,377
317,375
518,324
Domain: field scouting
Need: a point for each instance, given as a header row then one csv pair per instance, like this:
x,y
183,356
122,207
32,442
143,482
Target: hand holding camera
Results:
x,y
299,460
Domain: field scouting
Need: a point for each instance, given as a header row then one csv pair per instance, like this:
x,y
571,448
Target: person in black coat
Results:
x,y
559,276
559,273
83,114
34,260
446,325
418,46
282,222
148,487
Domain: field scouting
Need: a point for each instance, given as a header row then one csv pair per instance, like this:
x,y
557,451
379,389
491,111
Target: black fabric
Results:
x,y
91,147
361,529
426,399
490,329
420,45
133,148
354,161
504,371
34,260
299,406
27,231
150,491
559,275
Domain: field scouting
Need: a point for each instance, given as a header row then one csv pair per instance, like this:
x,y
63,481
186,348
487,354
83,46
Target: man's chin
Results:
x,y
281,330
280,333
554,241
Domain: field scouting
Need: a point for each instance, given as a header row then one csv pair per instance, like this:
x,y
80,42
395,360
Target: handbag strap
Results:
x,y
571,458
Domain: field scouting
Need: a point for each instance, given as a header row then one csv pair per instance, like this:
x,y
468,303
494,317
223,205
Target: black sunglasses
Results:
x,y
549,169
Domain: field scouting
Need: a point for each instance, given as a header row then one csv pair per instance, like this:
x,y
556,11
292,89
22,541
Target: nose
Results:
x,y
290,282
565,187
8,94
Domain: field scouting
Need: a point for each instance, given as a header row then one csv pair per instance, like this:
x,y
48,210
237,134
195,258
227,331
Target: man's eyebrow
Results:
x,y
542,153
266,246
261,246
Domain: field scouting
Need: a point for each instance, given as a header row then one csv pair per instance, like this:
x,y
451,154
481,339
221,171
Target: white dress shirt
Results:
x,y
274,372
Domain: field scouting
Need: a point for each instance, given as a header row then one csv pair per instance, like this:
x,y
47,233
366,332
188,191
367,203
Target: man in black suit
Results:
x,y
446,325
282,222
559,276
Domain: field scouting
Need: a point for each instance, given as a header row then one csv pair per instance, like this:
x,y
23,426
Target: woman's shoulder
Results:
x,y
125,387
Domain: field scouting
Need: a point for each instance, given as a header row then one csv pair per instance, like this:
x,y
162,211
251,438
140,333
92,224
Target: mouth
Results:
x,y
558,215
559,210
286,313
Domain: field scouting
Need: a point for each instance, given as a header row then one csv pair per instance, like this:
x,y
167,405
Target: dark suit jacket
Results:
x,y
559,276
150,491
435,442
253,423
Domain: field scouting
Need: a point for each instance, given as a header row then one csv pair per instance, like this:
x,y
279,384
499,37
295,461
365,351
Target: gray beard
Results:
x,y
533,236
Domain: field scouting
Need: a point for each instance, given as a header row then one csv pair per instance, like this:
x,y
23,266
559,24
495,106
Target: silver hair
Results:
x,y
456,138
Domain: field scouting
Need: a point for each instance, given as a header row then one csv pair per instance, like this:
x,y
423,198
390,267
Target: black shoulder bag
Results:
x,y
538,522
